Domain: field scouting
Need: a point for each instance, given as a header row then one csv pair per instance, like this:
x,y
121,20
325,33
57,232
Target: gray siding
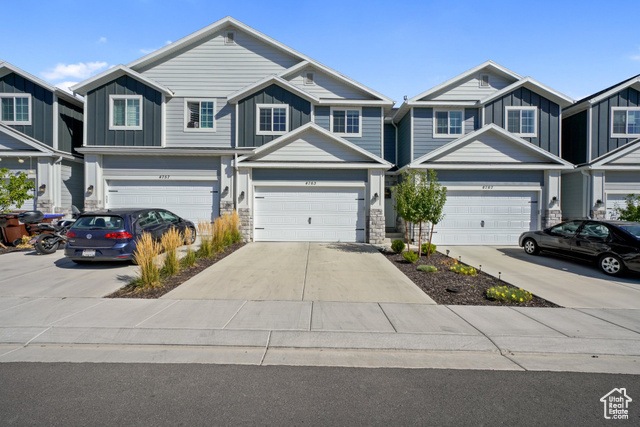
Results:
x,y
355,175
404,140
489,177
627,181
224,135
299,114
371,139
97,102
469,89
41,127
390,143
548,125
9,143
574,138
14,166
72,185
572,199
602,142
326,86
165,165
423,139
70,130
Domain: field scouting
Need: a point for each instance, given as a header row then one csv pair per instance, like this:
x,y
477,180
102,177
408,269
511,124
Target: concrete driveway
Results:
x,y
27,274
299,271
563,281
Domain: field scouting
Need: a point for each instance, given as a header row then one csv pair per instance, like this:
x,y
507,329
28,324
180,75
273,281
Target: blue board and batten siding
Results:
x,y
390,143
97,103
423,136
41,127
299,114
548,125
371,139
70,117
602,142
575,138
404,140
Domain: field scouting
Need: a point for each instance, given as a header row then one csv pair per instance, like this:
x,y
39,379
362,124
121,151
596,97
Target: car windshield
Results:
x,y
634,230
99,222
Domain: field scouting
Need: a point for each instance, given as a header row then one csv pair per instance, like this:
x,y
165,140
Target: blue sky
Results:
x,y
395,47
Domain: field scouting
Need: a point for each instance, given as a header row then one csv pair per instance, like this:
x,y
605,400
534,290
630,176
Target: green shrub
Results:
x,y
464,269
432,249
427,268
410,256
397,246
507,293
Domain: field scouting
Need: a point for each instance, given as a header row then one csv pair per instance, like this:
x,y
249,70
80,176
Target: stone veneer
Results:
x,y
551,218
376,227
598,214
45,206
246,224
91,205
226,208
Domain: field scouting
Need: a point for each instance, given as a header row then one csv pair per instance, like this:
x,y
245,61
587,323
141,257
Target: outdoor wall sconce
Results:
x,y
90,189
375,197
42,188
599,204
20,160
225,189
241,197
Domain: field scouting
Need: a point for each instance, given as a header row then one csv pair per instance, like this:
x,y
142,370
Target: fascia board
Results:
x,y
537,87
616,154
332,165
261,84
113,73
615,90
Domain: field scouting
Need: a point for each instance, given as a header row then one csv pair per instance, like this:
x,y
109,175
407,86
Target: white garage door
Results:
x,y
309,215
486,217
193,200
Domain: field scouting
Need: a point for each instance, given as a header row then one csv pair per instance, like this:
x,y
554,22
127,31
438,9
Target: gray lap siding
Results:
x,y
97,103
299,114
371,139
423,137
548,117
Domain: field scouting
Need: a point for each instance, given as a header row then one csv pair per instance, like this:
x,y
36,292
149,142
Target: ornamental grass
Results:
x,y
171,241
146,256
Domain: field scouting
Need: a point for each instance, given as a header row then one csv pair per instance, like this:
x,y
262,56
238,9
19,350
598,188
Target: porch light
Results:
x,y
375,197
20,160
599,204
42,188
90,189
241,197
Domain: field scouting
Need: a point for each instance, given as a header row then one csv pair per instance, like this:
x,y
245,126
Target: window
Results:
x,y
199,114
567,229
230,37
521,121
125,112
273,119
169,217
484,80
99,222
148,219
448,123
595,231
346,121
625,122
15,109
309,78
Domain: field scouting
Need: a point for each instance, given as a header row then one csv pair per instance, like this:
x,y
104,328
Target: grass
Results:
x,y
146,256
171,241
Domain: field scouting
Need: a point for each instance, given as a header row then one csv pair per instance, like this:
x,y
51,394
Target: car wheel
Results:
x,y
611,264
193,234
531,247
47,244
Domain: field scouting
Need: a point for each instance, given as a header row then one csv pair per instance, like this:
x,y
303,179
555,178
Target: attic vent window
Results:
x,y
309,78
484,80
230,37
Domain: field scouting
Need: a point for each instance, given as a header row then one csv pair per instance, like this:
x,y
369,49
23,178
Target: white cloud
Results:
x,y
148,51
66,85
102,40
80,71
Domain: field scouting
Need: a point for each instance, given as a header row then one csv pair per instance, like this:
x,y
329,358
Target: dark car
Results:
x,y
614,245
111,235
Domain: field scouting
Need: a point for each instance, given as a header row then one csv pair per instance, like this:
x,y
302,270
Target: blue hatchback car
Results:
x,y
111,235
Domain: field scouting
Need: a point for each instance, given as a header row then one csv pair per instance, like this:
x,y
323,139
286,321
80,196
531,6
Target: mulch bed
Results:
x,y
447,287
9,249
172,282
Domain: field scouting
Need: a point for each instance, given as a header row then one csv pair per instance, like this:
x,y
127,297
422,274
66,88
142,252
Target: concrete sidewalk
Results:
x,y
319,334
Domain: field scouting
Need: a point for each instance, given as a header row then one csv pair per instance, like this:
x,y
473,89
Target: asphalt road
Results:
x,y
152,394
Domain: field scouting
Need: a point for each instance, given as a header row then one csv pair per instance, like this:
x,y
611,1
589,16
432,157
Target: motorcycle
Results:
x,y
53,235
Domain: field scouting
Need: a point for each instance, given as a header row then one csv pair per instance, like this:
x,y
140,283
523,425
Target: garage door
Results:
x,y
486,217
193,200
309,215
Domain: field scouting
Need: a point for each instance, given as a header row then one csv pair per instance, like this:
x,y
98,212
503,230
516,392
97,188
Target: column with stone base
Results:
x,y
246,224
376,227
551,218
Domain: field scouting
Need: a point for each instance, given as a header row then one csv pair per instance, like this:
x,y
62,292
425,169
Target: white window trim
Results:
x,y
352,135
17,95
186,114
312,82
111,125
271,106
448,135
623,135
226,37
488,86
522,108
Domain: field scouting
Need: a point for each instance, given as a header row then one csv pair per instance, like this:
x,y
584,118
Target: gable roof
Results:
x,y
6,67
40,148
113,73
617,154
369,160
534,86
268,81
550,161
605,93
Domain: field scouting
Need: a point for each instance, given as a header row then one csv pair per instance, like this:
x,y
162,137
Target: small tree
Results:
x,y
632,211
436,199
404,200
14,189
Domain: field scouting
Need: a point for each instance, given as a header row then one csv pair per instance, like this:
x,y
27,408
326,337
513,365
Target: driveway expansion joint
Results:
x,y
542,323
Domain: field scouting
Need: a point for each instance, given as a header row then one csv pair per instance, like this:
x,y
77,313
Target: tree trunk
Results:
x,y
420,240
430,237
2,246
406,229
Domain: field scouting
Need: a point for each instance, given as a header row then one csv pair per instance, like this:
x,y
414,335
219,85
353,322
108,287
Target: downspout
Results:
x,y
587,203
235,181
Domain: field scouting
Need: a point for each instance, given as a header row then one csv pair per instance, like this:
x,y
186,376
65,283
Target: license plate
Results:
x,y
89,252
